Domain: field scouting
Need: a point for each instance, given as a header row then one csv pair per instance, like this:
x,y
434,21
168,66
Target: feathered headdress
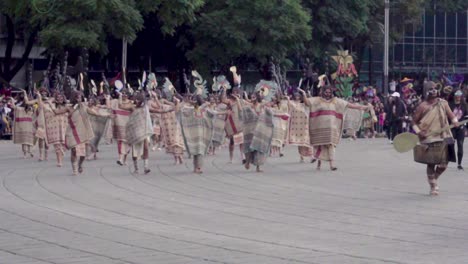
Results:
x,y
168,89
220,82
267,89
152,81
237,77
200,85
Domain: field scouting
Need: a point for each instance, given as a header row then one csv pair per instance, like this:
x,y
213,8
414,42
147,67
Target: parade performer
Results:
x,y
299,126
119,124
326,123
139,129
99,123
23,128
170,127
79,131
56,126
434,114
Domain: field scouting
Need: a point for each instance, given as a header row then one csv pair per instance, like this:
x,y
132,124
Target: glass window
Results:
x,y
418,54
440,24
461,55
429,24
408,54
461,25
429,54
440,53
398,52
419,31
451,24
450,51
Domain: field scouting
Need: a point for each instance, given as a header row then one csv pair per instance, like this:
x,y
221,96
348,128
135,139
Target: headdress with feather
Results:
x,y
237,77
168,89
220,82
200,85
267,89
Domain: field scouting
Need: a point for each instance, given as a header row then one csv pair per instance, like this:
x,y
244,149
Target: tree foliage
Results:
x,y
233,30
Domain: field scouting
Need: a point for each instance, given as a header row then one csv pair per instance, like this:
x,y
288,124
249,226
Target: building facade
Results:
x,y
439,44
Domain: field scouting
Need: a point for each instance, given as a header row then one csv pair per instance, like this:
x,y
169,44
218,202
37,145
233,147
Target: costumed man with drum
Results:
x,y
430,122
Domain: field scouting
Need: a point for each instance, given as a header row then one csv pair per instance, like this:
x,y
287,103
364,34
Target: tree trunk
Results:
x,y
8,73
9,45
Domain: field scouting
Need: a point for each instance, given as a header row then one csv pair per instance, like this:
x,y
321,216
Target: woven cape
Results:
x,y
23,130
219,122
299,124
40,124
263,132
100,125
280,130
79,128
119,123
139,127
197,128
353,119
234,121
55,125
172,132
326,120
258,130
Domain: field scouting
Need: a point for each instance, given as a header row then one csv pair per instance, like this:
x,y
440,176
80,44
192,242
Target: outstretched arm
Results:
x,y
304,97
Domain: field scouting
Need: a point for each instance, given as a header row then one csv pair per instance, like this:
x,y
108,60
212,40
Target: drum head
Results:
x,y
405,142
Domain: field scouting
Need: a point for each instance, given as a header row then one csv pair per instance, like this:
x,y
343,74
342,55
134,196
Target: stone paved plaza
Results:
x,y
374,209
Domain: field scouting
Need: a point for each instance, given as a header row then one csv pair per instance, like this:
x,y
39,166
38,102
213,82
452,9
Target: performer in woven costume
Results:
x,y
119,124
433,114
79,131
139,129
23,129
326,123
299,127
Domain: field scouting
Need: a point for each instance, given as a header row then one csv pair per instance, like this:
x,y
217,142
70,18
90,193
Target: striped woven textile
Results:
x,y
100,125
263,133
119,123
280,130
56,125
197,129
40,124
250,122
172,132
326,120
139,127
23,130
219,123
353,119
79,130
234,121
299,124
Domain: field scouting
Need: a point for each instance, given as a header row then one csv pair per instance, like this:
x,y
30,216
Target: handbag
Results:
x,y
432,153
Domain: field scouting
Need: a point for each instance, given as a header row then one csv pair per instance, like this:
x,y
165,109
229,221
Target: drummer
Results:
x,y
434,114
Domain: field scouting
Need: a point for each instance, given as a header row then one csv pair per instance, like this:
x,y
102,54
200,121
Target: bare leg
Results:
x,y
432,180
80,164
74,161
135,164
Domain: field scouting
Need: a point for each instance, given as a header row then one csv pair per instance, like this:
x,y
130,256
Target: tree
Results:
x,y
229,31
334,20
62,25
